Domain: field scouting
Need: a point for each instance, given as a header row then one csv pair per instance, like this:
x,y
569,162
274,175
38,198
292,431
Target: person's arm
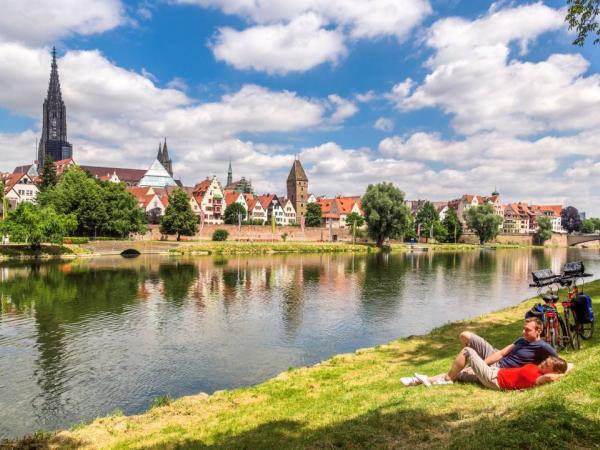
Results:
x,y
548,378
495,357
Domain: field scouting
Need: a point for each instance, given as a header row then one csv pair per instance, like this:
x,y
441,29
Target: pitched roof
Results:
x,y
553,209
297,173
12,180
265,200
231,197
125,175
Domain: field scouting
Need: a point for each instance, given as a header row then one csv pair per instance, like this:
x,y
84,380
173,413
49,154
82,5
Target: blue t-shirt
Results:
x,y
526,352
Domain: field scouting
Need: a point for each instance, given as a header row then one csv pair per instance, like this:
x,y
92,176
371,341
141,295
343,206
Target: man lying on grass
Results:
x,y
528,349
493,377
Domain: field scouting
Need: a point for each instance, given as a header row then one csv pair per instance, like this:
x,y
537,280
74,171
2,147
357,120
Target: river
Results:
x,y
84,338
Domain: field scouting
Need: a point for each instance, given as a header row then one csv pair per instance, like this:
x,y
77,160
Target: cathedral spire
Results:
x,y
159,156
229,174
54,123
163,157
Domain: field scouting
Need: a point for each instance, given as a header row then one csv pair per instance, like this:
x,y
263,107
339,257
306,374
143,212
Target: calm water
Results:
x,y
81,339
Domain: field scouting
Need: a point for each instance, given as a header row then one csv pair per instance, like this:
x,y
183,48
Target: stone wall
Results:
x,y
557,239
257,233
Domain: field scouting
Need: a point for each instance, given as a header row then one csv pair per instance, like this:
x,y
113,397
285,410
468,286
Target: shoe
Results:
x,y
423,379
442,381
410,381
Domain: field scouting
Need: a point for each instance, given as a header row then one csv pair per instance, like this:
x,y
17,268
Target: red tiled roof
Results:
x,y
12,180
231,197
126,175
265,200
554,209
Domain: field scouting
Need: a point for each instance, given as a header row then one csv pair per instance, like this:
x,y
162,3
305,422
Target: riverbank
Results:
x,y
356,401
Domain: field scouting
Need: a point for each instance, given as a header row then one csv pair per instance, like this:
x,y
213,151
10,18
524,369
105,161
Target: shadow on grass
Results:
x,y
39,441
547,426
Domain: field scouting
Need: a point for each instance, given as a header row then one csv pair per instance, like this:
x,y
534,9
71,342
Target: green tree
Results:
x,y
354,221
48,177
34,225
385,212
3,201
426,216
123,212
179,218
591,225
314,215
483,221
453,226
102,208
583,16
231,215
439,231
544,231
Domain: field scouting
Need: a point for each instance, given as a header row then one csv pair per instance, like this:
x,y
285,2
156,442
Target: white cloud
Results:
x,y
384,124
44,21
343,108
297,36
296,46
475,79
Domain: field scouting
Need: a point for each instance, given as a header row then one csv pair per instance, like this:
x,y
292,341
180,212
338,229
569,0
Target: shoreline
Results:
x,y
16,252
355,400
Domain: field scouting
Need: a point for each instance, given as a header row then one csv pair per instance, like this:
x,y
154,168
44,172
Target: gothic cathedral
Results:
x,y
54,125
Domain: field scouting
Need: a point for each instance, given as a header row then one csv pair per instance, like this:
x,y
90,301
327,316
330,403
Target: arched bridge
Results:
x,y
574,239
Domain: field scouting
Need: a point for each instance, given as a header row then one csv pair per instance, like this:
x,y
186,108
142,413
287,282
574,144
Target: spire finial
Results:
x,y
54,56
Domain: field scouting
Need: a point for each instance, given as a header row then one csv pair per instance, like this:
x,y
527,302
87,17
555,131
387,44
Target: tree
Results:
x,y
220,235
3,200
570,219
48,177
483,221
439,231
102,208
544,231
179,218
453,226
33,225
354,221
591,225
426,216
583,16
385,212
232,213
314,215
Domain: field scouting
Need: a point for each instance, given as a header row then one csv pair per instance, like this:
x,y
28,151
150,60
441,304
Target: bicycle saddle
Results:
x,y
549,298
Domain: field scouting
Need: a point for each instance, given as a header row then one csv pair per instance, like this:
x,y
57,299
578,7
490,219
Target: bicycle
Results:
x,y
558,332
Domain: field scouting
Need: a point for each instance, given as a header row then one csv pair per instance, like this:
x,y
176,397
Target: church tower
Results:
x,y
229,175
54,122
164,159
297,188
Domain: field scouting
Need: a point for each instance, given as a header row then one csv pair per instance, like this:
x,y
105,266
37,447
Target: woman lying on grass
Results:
x,y
493,377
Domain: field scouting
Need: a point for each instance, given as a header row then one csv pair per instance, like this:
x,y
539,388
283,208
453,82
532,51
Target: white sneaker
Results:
x,y
442,381
410,381
423,379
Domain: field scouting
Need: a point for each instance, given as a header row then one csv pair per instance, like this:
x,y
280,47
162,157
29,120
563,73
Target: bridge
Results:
x,y
574,239
143,247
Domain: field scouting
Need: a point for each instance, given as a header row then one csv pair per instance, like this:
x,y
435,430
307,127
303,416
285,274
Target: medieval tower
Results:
x,y
297,188
54,123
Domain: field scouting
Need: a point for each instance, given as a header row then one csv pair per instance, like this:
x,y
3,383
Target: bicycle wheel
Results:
x,y
572,331
587,330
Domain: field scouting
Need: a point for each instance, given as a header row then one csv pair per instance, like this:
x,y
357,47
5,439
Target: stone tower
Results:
x,y
297,188
54,123
164,159
229,175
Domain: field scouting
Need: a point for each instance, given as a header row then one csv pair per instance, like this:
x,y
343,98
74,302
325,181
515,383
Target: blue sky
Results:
x,y
440,97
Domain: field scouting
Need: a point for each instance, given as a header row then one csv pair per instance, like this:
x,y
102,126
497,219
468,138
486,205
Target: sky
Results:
x,y
439,97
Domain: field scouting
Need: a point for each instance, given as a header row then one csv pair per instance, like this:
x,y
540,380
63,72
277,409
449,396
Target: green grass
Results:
x,y
233,247
25,251
356,401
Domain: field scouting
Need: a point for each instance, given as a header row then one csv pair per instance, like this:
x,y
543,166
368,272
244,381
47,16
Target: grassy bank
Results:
x,y
356,401
257,248
25,251
446,247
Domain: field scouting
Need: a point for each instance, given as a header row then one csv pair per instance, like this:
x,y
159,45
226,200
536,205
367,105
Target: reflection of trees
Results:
x,y
293,299
177,280
383,280
61,297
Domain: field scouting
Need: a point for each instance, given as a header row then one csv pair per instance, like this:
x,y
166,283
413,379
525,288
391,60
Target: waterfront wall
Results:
x,y
257,233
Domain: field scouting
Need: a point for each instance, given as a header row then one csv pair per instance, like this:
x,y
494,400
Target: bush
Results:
x,y
220,235
75,240
284,236
163,400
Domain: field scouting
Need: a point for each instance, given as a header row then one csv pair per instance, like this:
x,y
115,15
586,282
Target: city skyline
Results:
x,y
437,97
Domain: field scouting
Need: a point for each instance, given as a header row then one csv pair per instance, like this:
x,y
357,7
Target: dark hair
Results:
x,y
538,323
559,365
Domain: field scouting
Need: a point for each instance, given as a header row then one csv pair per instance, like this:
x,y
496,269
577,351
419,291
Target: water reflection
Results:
x,y
81,339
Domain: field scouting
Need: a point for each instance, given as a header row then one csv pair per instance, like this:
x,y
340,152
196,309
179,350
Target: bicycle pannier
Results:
x,y
583,309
